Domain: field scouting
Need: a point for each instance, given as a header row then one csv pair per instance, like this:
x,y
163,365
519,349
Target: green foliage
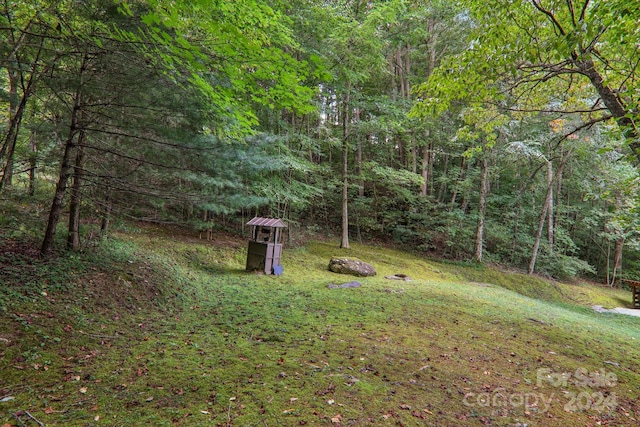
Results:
x,y
241,46
194,109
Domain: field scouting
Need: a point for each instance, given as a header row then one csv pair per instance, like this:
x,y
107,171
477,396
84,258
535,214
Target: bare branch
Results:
x,y
571,12
584,10
585,125
551,16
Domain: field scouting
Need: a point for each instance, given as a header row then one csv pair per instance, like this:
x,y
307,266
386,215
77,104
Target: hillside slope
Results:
x,y
156,327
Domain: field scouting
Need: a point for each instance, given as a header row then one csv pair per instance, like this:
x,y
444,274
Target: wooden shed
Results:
x,y
265,249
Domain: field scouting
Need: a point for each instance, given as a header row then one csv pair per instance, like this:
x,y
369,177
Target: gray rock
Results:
x,y
351,266
344,285
399,276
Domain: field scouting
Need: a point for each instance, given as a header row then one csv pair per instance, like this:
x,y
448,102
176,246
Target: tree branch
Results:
x,y
572,12
551,16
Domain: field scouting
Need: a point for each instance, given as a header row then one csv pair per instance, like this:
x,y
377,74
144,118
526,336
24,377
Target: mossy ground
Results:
x,y
157,327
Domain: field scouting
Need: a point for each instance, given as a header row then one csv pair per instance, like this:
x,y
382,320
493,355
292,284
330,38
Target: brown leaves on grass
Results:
x,y
330,389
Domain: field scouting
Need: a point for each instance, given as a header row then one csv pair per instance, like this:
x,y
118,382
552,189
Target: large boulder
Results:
x,y
351,266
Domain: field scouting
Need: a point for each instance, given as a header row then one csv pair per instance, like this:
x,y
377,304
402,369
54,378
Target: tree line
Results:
x,y
472,130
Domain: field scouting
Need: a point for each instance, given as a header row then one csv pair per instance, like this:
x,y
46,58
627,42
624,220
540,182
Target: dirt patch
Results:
x,y
186,234
134,287
22,248
19,260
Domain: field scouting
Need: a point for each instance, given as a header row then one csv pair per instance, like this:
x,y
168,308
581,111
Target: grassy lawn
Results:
x,y
158,328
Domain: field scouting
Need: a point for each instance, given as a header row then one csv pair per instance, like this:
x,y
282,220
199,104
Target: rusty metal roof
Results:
x,y
267,222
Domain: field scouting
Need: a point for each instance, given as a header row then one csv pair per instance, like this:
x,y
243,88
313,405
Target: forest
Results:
x,y
498,132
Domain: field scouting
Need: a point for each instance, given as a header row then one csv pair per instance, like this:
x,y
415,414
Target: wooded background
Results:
x,y
498,132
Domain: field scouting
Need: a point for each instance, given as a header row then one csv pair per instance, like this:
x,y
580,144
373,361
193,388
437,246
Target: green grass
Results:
x,y
156,327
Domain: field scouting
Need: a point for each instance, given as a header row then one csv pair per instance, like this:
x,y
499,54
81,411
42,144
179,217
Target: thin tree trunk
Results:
x,y
344,243
432,162
73,237
106,214
445,171
550,222
61,187
392,71
482,208
425,169
407,71
516,225
359,158
414,152
400,72
617,260
359,161
461,176
536,245
65,171
558,201
543,214
608,261
16,111
33,162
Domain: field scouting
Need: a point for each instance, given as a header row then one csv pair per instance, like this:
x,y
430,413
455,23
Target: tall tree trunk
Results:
x,y
516,225
543,214
482,208
536,244
550,222
65,170
392,71
17,108
15,113
461,177
400,72
431,157
73,237
407,71
33,159
443,186
344,243
617,260
61,187
425,170
359,157
106,214
359,161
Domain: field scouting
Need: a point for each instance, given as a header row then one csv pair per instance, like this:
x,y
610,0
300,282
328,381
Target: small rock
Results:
x,y
399,276
344,285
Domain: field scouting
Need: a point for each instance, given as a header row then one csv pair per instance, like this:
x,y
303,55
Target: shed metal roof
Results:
x,y
267,222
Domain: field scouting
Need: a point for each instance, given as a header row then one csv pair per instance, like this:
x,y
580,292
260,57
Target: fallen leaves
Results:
x,y
330,389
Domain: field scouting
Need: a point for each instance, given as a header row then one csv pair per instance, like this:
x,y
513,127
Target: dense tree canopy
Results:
x,y
496,131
